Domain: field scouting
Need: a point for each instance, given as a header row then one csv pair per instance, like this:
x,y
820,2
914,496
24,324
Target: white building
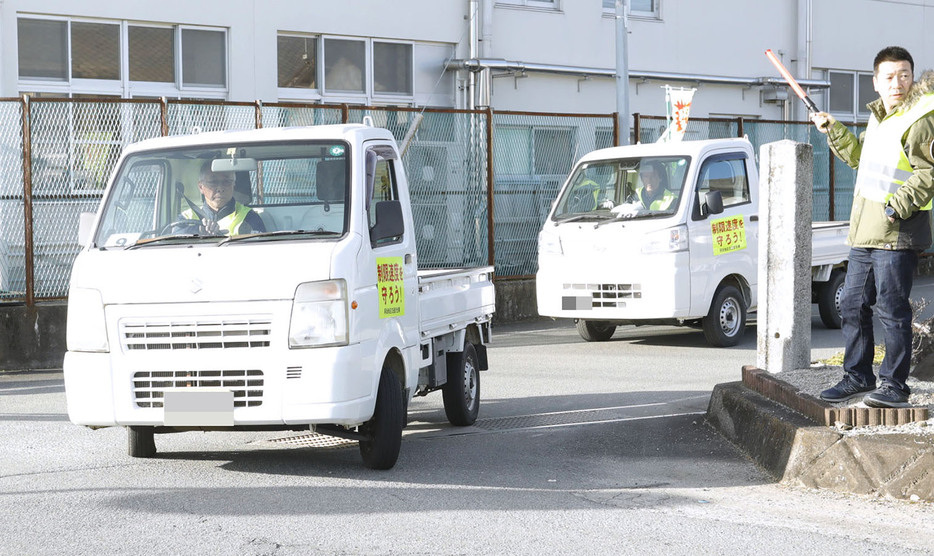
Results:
x,y
542,55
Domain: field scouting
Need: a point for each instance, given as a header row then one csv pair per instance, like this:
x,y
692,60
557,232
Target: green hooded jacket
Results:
x,y
869,227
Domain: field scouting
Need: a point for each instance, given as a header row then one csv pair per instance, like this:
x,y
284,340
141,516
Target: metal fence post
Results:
x,y
27,206
830,185
259,114
490,225
164,115
635,127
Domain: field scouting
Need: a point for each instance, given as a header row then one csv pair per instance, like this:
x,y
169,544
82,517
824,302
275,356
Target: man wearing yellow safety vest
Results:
x,y
221,214
890,225
654,193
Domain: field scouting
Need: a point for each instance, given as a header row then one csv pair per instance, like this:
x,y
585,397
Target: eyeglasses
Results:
x,y
217,184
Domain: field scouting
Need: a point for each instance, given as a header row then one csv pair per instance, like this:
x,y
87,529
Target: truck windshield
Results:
x,y
623,188
210,193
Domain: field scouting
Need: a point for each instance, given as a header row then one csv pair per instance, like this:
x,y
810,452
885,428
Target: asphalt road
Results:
x,y
580,449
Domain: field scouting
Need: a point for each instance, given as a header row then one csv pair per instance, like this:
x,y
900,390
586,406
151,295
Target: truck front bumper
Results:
x,y
292,387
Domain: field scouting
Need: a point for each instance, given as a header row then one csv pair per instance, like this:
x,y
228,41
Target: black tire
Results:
x,y
141,442
828,299
595,330
384,431
725,323
461,392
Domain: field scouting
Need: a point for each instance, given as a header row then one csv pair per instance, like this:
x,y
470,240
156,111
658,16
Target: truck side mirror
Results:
x,y
389,223
713,203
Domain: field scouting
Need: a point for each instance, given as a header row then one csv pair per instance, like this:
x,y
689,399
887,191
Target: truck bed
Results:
x,y
451,298
829,243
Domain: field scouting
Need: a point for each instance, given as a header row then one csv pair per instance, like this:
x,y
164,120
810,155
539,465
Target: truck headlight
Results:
x,y
669,240
86,328
549,243
319,315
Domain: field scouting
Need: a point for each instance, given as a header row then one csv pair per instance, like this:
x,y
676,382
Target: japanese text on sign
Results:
x,y
389,287
729,234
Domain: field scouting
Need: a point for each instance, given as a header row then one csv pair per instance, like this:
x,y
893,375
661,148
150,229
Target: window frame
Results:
x,y
654,14
858,112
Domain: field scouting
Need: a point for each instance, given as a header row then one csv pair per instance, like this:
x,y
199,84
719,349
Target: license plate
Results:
x,y
202,407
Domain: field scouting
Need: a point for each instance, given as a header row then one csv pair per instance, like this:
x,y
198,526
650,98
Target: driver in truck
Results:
x,y
221,213
654,193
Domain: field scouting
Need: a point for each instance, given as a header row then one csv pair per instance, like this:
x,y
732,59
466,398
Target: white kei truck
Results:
x,y
320,322
690,258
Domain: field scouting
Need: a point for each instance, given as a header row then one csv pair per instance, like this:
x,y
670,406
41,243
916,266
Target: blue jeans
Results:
x,y
882,278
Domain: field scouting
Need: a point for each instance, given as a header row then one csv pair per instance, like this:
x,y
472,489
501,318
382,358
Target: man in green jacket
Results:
x,y
890,225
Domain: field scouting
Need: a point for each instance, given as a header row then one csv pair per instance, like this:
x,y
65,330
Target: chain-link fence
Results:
x,y
481,182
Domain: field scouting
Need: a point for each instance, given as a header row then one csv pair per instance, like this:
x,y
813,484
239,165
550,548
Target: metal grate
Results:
x,y
196,334
246,384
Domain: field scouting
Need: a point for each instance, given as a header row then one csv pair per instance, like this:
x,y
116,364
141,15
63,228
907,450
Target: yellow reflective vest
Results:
x,y
231,222
883,164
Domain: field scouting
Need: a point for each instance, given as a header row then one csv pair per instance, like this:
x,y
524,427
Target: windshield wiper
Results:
x,y
280,233
582,216
155,240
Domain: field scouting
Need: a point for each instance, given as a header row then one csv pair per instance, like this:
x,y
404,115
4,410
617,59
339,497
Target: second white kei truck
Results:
x,y
691,258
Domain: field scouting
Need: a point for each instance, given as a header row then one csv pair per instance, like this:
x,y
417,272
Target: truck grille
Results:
x,y
220,333
595,296
247,385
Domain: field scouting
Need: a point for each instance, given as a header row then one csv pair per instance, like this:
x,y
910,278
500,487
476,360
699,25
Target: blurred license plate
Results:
x,y
198,407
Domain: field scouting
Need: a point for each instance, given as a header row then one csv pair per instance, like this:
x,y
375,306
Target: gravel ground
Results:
x,y
820,377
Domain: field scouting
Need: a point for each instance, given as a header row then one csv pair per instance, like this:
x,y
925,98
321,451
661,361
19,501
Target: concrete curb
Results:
x,y
825,413
799,452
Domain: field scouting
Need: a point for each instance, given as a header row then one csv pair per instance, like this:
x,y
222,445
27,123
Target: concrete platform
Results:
x,y
798,447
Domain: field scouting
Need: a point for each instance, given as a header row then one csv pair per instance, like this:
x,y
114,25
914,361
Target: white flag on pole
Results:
x,y
678,103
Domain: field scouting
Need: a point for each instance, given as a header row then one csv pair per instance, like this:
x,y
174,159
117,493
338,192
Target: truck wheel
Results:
x,y
725,323
828,299
461,392
141,442
383,432
595,330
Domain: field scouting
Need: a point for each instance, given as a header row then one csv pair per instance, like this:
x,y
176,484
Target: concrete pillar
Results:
x,y
785,212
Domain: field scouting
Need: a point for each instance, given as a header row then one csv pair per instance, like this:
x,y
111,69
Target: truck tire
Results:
x,y
461,392
595,330
828,299
141,442
725,323
383,432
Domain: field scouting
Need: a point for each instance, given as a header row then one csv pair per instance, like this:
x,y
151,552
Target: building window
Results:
x,y
297,62
95,50
547,4
42,49
345,69
151,53
204,58
70,57
850,92
344,66
392,68
637,8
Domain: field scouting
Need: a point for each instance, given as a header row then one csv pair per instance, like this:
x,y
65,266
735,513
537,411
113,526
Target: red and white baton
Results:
x,y
791,81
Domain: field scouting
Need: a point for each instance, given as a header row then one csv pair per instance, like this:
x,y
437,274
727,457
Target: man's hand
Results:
x,y
607,204
823,121
210,227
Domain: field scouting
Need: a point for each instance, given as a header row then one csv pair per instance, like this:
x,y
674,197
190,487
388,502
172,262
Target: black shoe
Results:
x,y
845,390
887,396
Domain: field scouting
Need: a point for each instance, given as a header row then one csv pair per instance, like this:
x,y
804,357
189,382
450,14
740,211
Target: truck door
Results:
x,y
393,256
723,244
